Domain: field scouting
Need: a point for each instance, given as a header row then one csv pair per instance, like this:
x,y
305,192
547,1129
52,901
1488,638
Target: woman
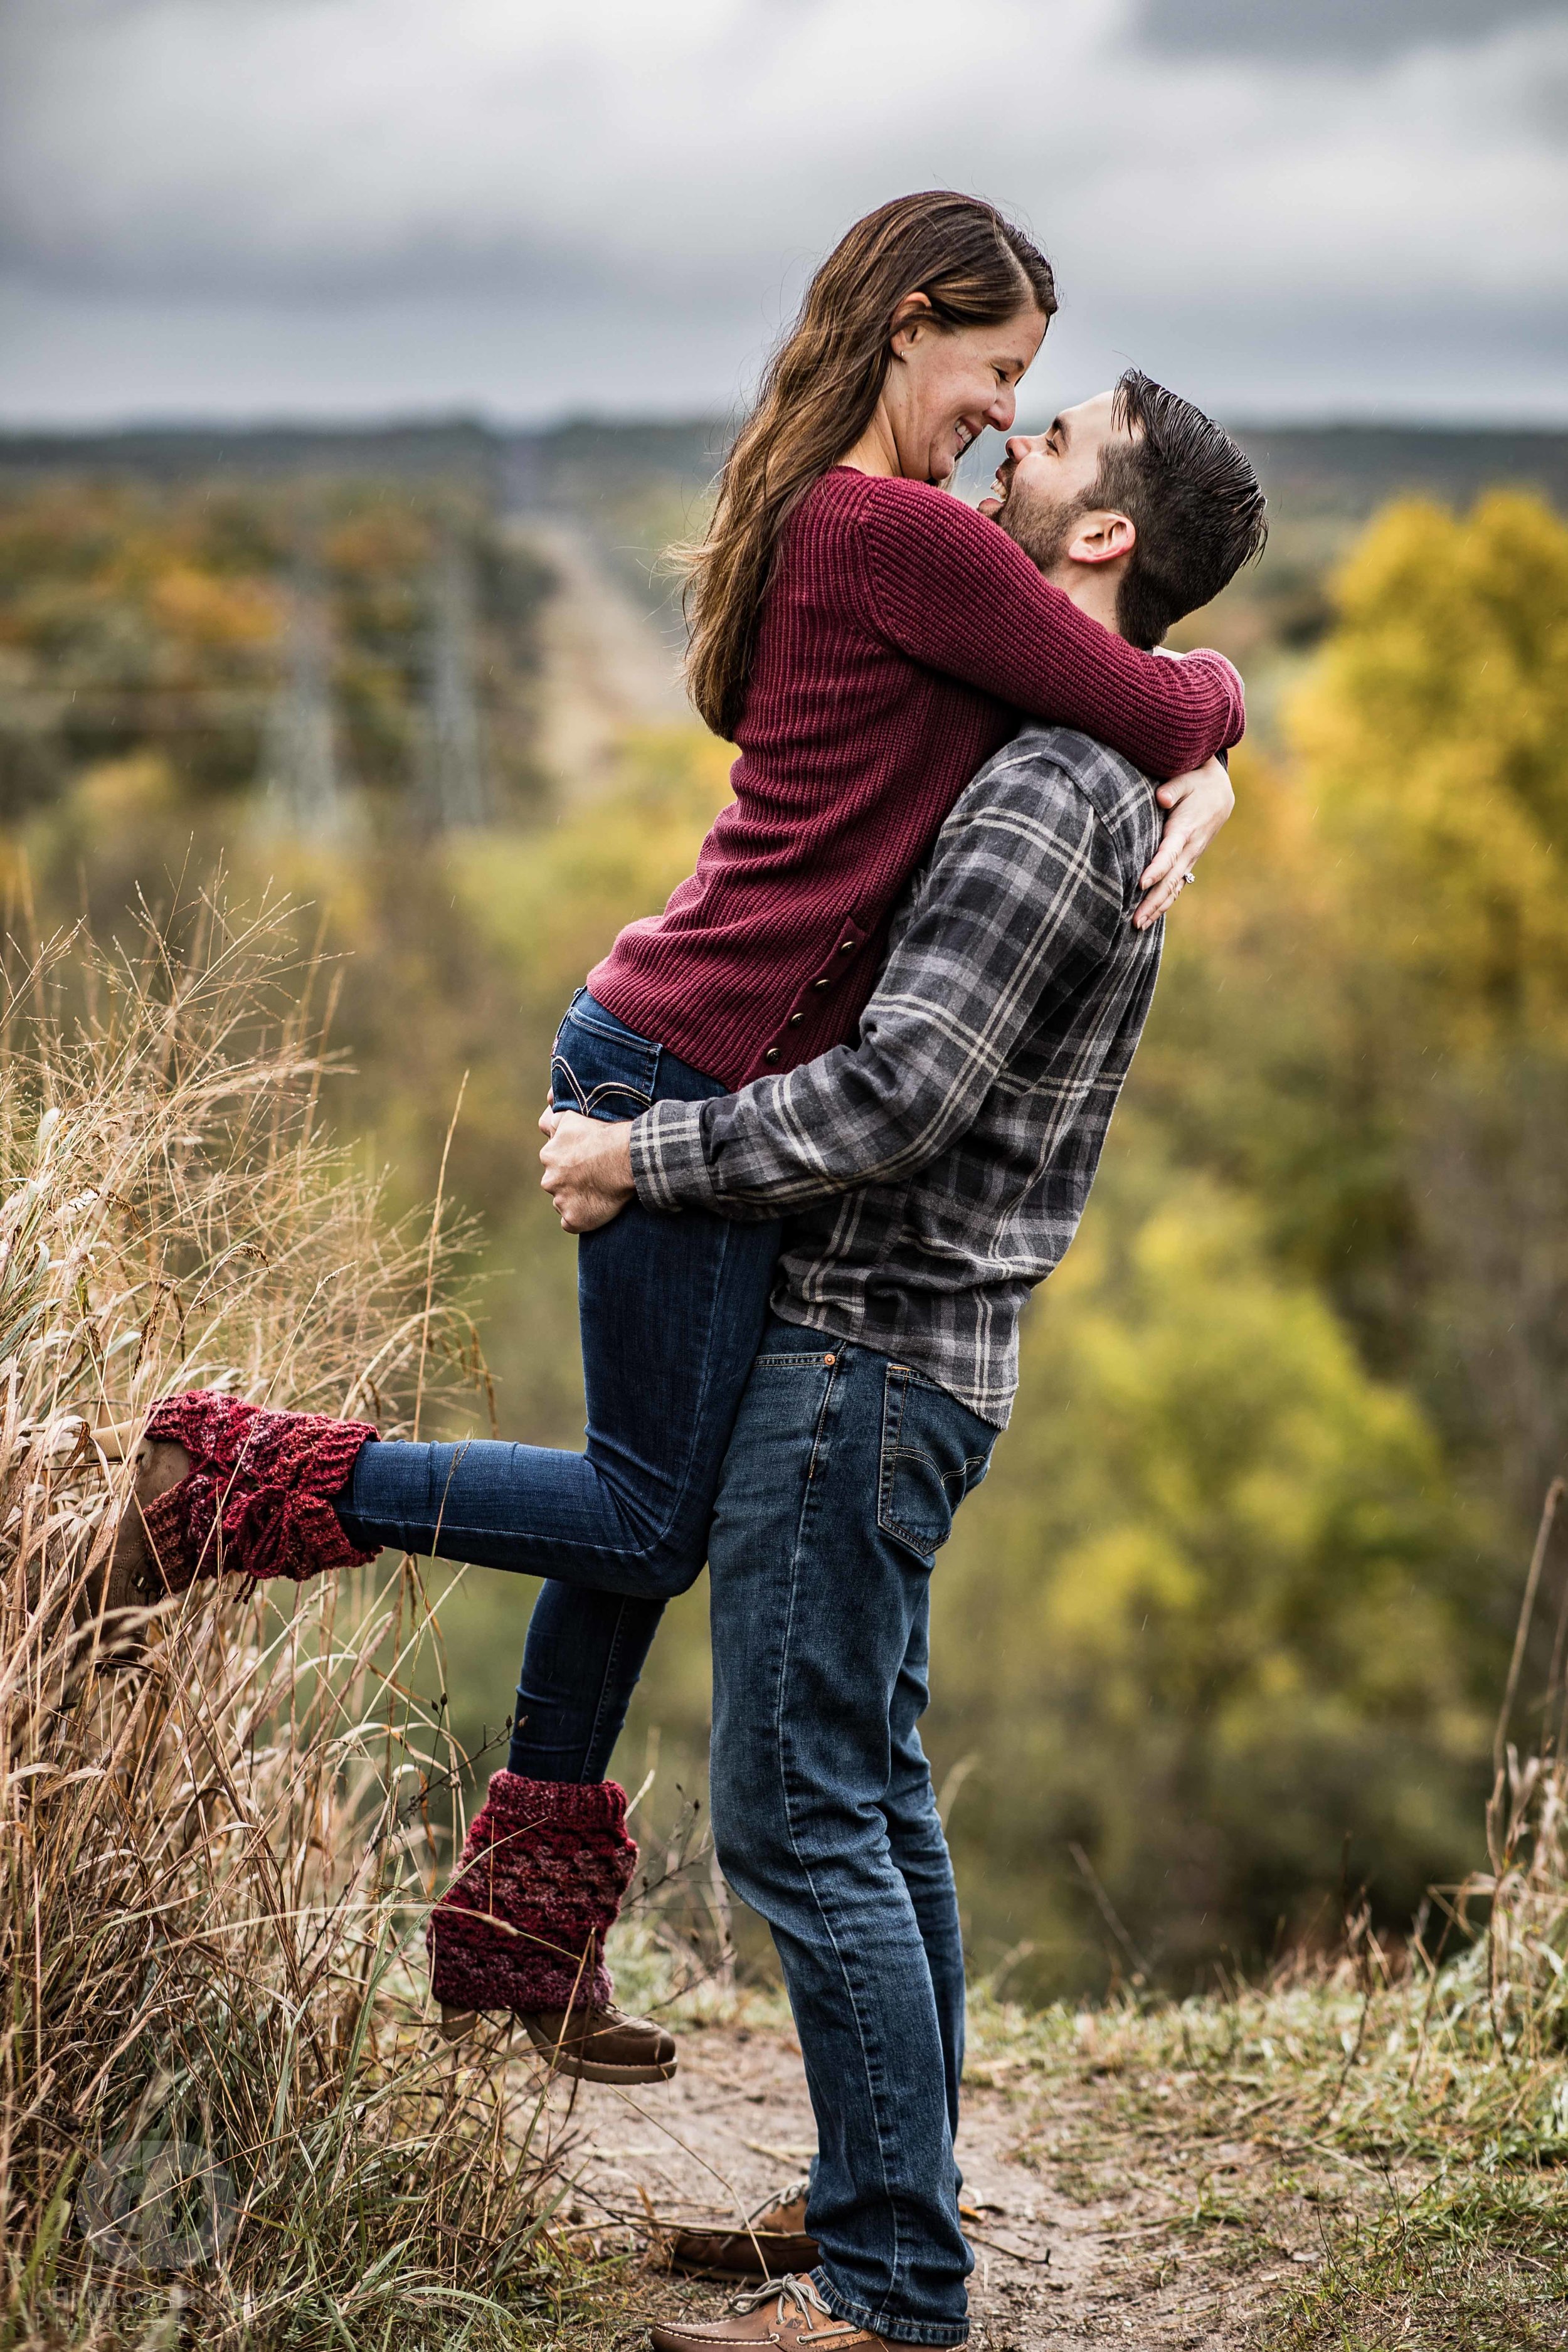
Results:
x,y
868,642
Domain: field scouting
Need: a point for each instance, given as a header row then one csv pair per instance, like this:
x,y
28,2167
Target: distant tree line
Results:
x,y
308,640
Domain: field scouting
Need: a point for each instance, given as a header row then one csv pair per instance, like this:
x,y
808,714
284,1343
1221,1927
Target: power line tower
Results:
x,y
453,787
298,771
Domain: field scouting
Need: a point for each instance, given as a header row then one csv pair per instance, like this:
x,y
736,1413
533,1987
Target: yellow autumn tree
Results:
x,y
1434,738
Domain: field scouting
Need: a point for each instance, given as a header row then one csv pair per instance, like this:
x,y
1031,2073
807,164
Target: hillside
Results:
x,y
586,463
627,490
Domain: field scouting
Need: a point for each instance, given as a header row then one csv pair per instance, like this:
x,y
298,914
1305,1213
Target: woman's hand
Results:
x,y
587,1169
1199,803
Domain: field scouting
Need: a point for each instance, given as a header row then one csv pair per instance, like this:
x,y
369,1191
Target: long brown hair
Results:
x,y
819,394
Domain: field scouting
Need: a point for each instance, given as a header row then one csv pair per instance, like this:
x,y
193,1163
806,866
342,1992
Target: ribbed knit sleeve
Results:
x,y
952,590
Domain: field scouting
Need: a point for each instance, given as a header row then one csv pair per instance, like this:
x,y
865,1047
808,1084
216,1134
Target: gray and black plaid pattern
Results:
x,y
937,1168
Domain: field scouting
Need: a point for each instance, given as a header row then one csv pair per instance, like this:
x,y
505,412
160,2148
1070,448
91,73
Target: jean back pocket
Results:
x,y
934,1449
603,1072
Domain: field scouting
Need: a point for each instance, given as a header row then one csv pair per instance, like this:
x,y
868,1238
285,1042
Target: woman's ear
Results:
x,y
912,314
1101,537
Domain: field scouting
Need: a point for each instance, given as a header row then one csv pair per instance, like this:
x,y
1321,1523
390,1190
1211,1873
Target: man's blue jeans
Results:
x,y
672,1309
839,1486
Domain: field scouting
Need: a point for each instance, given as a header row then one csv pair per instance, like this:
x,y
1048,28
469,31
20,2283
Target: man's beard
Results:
x,y
1043,528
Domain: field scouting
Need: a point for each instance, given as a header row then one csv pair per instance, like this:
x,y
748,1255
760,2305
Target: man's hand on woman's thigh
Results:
x,y
587,1168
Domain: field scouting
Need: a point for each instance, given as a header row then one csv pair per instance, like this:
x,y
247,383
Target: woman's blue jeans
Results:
x,y
840,1487
672,1309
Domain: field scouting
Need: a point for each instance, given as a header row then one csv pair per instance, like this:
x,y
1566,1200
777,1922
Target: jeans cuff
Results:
x,y
888,2323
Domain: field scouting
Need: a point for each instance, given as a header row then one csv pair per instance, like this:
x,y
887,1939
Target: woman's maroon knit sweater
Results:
x,y
901,636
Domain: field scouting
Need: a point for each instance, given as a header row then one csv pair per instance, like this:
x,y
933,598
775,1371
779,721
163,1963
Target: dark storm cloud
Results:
x,y
319,203
1326,30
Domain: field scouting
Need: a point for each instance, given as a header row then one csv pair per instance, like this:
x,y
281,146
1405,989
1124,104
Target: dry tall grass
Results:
x,y
215,2064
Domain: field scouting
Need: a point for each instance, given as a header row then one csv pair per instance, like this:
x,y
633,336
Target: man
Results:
x,y
933,1173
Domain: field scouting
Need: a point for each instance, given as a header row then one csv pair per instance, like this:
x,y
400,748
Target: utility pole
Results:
x,y
299,770
453,788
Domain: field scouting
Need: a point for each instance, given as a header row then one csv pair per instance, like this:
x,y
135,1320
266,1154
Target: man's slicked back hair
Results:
x,y
1191,496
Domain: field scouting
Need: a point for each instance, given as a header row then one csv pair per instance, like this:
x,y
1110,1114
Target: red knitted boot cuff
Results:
x,y
522,1926
256,1497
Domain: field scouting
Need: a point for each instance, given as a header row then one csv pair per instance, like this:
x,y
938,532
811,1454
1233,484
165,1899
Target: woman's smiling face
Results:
x,y
944,386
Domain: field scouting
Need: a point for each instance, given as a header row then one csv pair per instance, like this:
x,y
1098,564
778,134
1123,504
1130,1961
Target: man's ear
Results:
x,y
1103,537
912,314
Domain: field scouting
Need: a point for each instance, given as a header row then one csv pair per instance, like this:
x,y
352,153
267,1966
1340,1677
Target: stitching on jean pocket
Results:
x,y
590,1101
597,1028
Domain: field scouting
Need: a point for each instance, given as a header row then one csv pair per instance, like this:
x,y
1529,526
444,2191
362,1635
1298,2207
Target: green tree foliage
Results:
x,y
1198,1619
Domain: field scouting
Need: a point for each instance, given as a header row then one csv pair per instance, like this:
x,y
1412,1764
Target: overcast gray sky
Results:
x,y
329,207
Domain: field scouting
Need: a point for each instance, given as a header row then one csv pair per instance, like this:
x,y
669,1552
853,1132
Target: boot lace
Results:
x,y
795,2289
791,2193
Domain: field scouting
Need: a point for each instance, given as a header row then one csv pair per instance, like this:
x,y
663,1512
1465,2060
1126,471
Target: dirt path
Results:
x,y
605,665
1086,2232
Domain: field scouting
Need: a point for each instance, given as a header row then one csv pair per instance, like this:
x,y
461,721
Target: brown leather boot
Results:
x,y
788,2313
602,2045
135,1577
521,1928
596,2045
773,2241
256,1497
119,1592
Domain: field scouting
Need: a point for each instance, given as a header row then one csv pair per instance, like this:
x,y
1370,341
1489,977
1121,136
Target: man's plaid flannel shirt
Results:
x,y
935,1171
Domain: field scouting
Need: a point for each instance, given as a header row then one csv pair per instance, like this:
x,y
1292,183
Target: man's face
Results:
x,y
1046,481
